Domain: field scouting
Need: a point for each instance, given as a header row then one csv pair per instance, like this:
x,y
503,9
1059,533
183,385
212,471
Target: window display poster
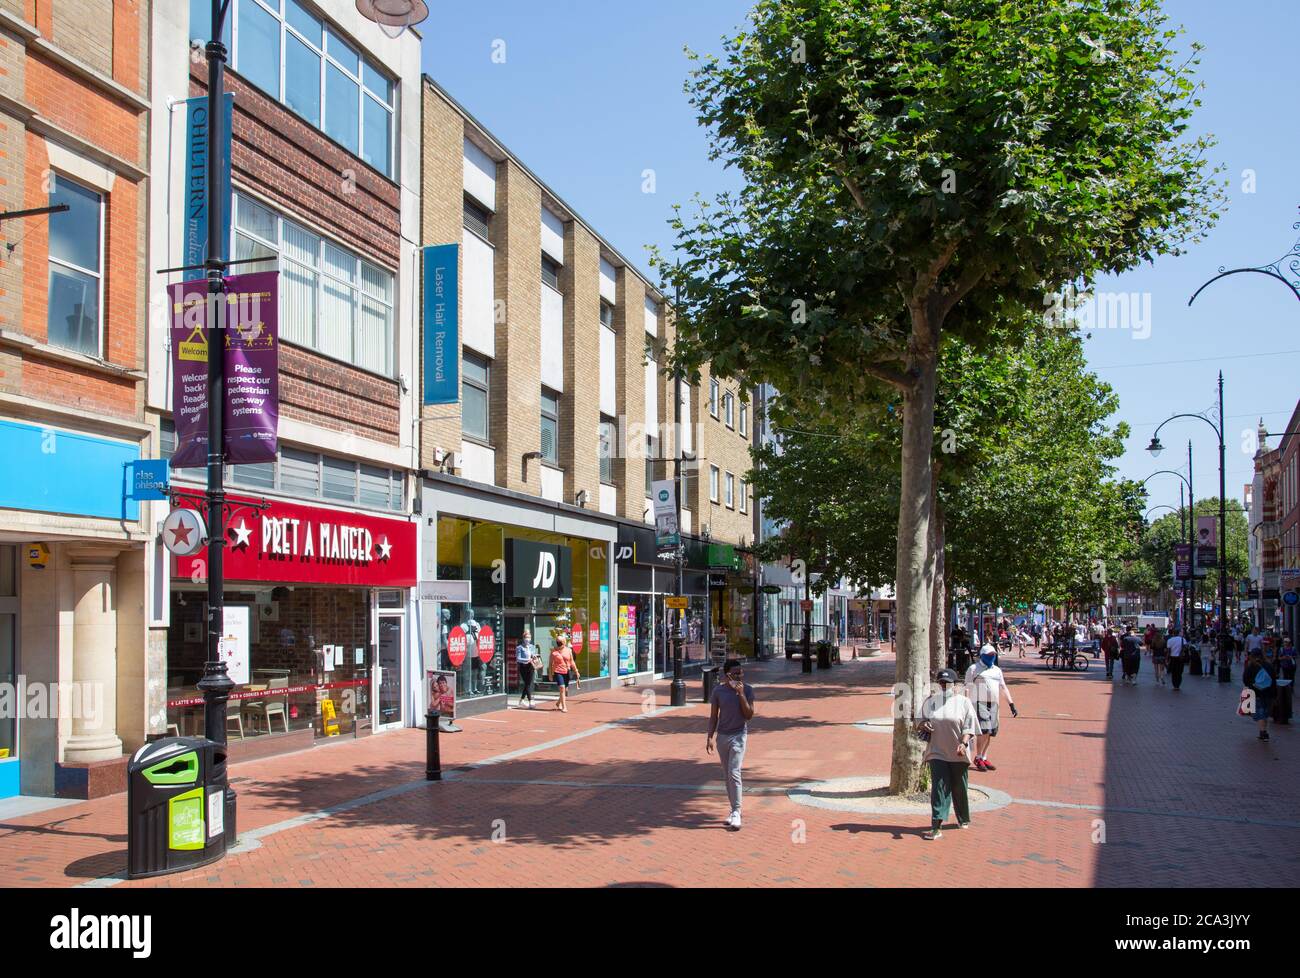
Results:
x,y
360,657
328,651
442,692
234,642
604,630
626,639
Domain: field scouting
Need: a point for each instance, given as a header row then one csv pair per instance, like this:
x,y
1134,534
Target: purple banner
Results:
x,y
252,367
1182,561
190,372
250,305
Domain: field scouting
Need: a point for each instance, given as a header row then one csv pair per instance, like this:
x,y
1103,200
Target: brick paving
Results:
x,y
1111,786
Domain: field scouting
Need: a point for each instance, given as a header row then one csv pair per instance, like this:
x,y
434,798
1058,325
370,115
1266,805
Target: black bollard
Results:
x,y
433,753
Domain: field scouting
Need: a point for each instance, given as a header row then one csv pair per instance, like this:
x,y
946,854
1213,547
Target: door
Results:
x,y
388,701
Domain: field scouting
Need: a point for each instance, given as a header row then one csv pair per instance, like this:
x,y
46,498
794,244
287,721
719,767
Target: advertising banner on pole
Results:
x,y
252,409
189,342
195,239
664,493
1207,531
441,325
1182,561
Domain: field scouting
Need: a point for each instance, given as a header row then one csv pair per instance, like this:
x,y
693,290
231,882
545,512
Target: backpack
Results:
x,y
1262,680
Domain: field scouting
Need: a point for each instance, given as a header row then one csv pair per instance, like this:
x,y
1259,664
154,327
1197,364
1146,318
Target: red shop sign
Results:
x,y
577,638
593,639
292,543
457,643
487,644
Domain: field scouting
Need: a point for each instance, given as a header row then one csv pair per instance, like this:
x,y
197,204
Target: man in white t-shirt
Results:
x,y
1176,650
985,685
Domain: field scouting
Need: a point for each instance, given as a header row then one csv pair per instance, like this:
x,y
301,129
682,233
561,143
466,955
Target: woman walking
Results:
x,y
949,724
527,660
1130,648
562,668
1260,679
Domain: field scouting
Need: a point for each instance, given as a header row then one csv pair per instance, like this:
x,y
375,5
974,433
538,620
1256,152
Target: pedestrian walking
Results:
x,y
949,724
1176,650
1110,649
528,660
1130,650
1286,663
1254,643
985,685
1158,648
564,670
732,707
1260,679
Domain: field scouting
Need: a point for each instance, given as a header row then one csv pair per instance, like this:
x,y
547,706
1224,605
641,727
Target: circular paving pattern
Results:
x,y
883,725
870,796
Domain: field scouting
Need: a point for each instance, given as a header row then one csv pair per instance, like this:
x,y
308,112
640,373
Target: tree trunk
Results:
x,y
913,582
939,604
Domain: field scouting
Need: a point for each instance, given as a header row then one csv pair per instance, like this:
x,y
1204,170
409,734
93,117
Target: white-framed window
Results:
x,y
551,273
606,314
744,420
474,387
729,409
550,426
714,475
477,218
606,449
744,496
288,50
651,460
331,300
76,260
713,398
731,491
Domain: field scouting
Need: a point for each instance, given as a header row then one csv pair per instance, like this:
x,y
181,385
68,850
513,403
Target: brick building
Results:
x,y
73,575
543,443
321,550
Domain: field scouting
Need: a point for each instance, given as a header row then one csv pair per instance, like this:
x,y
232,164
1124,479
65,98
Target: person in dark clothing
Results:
x,y
1285,665
1110,649
1261,679
1130,651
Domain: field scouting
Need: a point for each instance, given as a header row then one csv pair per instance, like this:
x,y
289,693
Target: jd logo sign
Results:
x,y
545,577
538,570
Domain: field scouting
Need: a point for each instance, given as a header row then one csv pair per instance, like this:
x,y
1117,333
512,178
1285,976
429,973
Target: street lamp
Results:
x,y
1225,664
1155,448
393,16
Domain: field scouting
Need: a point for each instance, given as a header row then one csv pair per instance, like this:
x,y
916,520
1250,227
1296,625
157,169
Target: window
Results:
x,y
331,300
550,273
713,483
286,50
76,278
476,219
651,457
744,496
731,491
606,314
316,476
744,419
713,398
728,409
607,438
474,396
550,427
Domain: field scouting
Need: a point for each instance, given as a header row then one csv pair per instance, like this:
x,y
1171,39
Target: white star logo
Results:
x,y
242,534
385,548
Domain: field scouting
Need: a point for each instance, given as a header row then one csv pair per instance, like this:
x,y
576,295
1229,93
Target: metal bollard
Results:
x,y
433,752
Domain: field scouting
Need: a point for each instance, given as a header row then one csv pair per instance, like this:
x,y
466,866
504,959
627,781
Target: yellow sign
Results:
x,y
38,555
4,752
194,347
679,603
328,718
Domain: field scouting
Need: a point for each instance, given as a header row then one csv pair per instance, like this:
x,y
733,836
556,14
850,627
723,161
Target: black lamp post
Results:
x,y
1155,448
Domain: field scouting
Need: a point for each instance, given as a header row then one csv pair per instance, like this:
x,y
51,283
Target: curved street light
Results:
x,y
1290,277
1155,448
393,16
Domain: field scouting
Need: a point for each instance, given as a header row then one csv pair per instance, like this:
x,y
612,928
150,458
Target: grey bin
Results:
x,y
179,811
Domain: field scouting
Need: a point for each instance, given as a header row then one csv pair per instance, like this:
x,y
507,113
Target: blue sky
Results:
x,y
589,96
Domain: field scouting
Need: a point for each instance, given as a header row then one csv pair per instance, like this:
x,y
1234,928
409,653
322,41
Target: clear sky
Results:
x,y
589,96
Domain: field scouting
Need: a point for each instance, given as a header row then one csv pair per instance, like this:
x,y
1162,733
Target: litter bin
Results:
x,y
179,812
710,675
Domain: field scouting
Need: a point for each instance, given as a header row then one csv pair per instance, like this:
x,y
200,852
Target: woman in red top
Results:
x,y
562,667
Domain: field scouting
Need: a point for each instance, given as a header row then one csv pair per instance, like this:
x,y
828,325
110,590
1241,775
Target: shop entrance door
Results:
x,y
388,701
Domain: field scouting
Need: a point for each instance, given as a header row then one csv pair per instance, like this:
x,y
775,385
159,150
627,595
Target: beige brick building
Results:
x,y
562,419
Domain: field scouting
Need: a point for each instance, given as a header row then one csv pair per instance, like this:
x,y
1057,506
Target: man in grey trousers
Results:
x,y
733,708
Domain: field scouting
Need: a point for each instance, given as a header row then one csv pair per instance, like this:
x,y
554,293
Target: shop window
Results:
x,y
75,260
259,475
299,472
339,480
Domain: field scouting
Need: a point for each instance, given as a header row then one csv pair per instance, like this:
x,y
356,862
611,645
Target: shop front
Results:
x,y
731,601
316,626
525,566
645,623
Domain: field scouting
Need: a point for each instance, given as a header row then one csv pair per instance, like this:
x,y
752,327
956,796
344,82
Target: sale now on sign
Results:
x,y
487,644
457,645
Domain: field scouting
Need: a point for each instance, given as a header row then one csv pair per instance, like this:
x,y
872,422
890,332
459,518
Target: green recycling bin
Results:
x,y
177,806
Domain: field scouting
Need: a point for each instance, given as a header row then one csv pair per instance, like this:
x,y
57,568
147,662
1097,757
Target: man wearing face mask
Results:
x,y
948,724
985,685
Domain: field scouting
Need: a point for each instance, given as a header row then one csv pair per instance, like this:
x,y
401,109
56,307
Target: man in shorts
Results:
x,y
985,685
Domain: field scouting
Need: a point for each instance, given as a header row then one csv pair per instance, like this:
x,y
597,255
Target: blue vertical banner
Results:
x,y
441,325
195,241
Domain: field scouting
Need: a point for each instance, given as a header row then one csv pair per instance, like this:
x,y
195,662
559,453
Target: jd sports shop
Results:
x,y
315,626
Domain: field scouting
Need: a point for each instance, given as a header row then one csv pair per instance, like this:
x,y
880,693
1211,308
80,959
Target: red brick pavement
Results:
x,y
1175,792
